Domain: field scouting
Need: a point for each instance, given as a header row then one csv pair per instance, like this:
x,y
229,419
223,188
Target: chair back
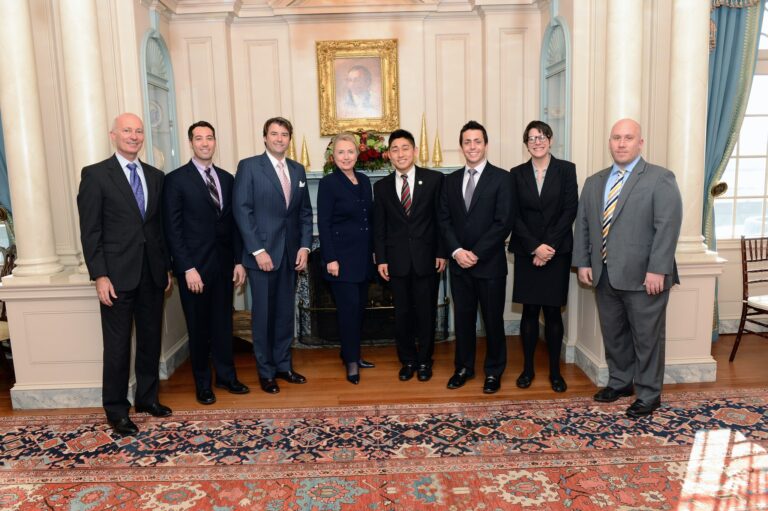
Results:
x,y
754,262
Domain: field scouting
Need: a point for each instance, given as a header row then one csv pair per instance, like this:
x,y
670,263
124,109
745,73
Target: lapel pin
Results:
x,y
419,182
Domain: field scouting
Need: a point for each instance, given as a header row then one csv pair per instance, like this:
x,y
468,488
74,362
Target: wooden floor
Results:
x,y
328,387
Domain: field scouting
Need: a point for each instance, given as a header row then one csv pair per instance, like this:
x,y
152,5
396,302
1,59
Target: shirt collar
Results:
x,y
479,168
408,172
199,166
627,168
275,160
125,161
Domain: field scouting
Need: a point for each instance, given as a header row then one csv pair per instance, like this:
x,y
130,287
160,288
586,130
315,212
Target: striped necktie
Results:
x,y
610,206
284,182
405,195
212,190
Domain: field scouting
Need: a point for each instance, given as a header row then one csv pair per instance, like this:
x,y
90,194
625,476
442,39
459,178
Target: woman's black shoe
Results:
x,y
353,373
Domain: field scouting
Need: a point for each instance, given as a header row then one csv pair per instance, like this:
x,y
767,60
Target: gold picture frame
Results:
x,y
358,85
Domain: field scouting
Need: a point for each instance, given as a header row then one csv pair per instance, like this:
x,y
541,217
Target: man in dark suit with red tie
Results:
x,y
121,231
475,219
409,252
205,249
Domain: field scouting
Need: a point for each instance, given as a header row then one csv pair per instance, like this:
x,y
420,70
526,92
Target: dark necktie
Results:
x,y
470,188
211,184
405,195
138,191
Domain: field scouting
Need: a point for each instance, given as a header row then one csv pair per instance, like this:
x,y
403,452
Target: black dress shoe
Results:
x,y
406,372
354,379
290,377
205,396
558,383
459,378
234,387
155,409
124,426
609,395
492,384
524,381
353,373
643,408
424,372
364,364
269,385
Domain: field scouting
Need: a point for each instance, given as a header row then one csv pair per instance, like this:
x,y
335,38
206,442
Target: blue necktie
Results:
x,y
138,191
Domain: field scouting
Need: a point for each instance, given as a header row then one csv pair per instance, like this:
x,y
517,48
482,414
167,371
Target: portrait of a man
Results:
x,y
358,87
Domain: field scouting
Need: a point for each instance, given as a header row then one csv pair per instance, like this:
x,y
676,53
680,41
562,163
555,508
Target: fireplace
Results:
x,y
317,311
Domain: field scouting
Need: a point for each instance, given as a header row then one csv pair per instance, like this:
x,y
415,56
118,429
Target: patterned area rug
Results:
x,y
700,451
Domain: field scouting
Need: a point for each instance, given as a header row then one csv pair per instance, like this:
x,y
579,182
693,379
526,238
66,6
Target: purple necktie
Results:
x,y
138,191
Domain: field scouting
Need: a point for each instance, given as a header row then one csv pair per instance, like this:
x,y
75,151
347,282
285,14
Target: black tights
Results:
x,y
553,333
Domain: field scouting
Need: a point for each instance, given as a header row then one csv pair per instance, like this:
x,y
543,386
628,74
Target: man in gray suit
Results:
x,y
624,245
272,210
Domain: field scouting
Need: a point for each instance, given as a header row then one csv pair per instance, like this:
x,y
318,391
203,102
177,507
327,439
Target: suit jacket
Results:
x,y
198,235
546,218
644,230
404,241
261,215
483,228
344,218
113,234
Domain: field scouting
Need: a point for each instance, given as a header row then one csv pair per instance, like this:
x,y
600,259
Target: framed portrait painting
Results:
x,y
358,86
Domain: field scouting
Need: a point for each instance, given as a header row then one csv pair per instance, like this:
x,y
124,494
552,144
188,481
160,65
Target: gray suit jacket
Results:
x,y
644,231
259,208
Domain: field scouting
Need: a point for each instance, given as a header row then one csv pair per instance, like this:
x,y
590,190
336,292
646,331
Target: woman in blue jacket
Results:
x,y
344,215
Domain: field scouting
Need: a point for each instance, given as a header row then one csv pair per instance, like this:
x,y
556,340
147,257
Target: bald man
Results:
x,y
625,237
124,248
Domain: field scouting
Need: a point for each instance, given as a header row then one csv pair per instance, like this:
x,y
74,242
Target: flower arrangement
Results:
x,y
373,153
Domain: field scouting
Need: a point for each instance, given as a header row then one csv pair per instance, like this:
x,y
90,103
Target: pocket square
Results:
x,y
302,184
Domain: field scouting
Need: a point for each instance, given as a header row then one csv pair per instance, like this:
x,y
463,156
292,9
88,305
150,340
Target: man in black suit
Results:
x,y
121,230
475,219
409,252
205,249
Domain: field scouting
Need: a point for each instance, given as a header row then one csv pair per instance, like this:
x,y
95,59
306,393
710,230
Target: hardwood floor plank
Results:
x,y
327,385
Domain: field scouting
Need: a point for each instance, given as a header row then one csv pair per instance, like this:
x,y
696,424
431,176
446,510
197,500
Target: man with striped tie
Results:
x,y
206,249
409,252
624,245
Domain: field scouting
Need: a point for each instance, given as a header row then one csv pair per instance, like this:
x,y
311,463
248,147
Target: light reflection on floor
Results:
x,y
726,472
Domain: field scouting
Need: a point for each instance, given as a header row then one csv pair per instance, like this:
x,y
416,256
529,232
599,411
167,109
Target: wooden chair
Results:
x,y
754,270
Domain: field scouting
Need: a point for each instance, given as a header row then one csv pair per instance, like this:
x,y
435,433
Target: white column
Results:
x,y
623,59
687,119
88,123
25,145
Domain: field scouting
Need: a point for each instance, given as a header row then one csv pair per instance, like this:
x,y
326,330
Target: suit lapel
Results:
x,y
153,191
602,178
530,181
391,184
225,190
481,183
551,180
626,189
295,174
198,182
271,174
121,182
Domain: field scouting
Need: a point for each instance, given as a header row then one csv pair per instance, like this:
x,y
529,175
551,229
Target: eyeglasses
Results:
x,y
538,138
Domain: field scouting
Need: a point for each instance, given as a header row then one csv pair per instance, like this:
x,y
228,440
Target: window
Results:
x,y
555,86
742,210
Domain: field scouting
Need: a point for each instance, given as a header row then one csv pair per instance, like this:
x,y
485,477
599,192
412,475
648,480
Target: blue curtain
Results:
x,y
736,33
5,192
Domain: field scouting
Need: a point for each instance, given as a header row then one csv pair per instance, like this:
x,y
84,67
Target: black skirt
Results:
x,y
542,285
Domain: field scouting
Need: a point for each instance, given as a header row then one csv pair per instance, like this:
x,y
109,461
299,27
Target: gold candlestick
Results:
x,y
423,149
291,150
304,153
437,152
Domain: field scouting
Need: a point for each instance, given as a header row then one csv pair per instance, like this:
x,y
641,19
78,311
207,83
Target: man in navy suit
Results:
x,y
475,219
409,252
274,214
121,230
205,248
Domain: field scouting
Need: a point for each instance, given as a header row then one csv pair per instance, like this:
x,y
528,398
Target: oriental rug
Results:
x,y
700,451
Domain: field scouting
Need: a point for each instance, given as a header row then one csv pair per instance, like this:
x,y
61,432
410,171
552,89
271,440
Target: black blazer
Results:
x,y
402,241
546,218
112,232
344,218
197,235
485,227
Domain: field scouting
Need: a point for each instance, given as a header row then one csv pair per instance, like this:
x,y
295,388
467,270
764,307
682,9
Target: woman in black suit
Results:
x,y
344,213
545,200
